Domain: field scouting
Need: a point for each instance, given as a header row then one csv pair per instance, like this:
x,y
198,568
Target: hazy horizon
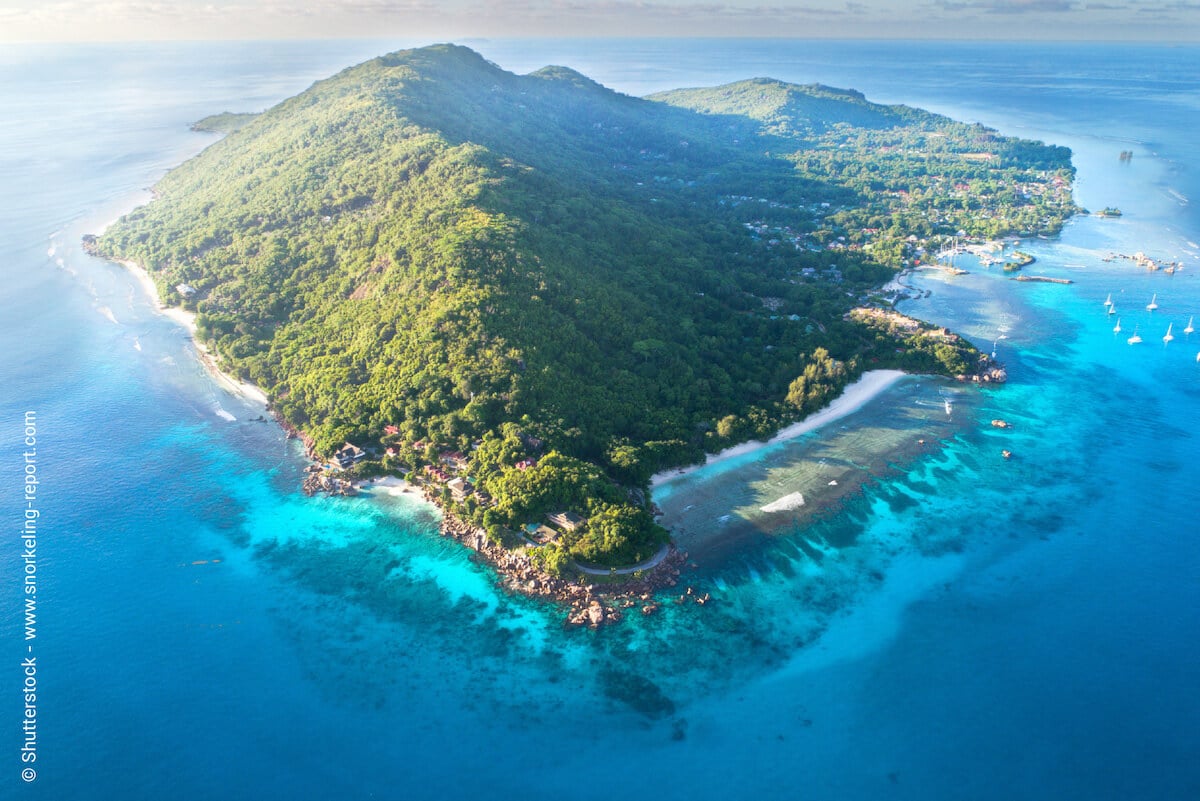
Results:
x,y
1176,21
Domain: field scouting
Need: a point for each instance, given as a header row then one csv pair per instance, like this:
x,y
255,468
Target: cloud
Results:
x,y
1179,7
341,8
1010,6
635,9
133,19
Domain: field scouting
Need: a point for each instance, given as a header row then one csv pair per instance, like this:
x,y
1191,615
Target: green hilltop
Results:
x,y
428,250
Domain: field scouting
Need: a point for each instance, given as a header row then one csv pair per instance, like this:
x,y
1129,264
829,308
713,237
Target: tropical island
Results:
x,y
531,293
224,123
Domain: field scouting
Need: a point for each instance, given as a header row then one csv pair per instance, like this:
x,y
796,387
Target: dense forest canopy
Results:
x,y
429,245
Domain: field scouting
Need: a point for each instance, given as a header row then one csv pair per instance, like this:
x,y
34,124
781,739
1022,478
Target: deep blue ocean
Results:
x,y
962,627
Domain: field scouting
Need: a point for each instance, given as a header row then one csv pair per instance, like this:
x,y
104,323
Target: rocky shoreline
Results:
x,y
317,480
587,604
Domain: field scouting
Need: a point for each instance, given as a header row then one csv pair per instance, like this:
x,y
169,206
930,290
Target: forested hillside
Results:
x,y
426,249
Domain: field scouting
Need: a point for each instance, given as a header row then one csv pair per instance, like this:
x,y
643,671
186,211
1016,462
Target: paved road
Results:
x,y
620,571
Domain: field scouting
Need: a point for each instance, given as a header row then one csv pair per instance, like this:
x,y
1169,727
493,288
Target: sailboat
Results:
x,y
1189,329
1167,336
1117,327
1133,340
1112,309
1108,300
1153,304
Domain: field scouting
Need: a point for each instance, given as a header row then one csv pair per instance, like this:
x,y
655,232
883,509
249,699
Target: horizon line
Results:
x,y
433,40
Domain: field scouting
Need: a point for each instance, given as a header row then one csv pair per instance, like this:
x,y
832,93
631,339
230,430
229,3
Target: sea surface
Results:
x,y
960,626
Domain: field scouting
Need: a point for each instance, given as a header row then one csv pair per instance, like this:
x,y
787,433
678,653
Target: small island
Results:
x,y
224,123
1019,261
527,295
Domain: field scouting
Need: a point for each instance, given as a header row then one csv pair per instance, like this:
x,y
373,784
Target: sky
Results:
x,y
102,20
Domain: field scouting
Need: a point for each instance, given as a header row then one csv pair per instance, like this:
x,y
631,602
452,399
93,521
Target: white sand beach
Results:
x,y
187,319
853,398
391,485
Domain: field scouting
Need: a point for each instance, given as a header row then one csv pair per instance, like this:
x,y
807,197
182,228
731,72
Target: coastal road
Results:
x,y
621,571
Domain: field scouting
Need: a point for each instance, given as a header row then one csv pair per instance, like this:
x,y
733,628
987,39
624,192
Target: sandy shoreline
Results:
x,y
853,398
392,485
187,319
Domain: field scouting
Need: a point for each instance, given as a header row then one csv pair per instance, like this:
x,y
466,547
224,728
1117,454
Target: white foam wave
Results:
x,y
224,415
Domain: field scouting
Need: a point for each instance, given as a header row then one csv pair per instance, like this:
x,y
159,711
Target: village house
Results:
x,y
454,460
543,534
459,489
347,455
567,521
